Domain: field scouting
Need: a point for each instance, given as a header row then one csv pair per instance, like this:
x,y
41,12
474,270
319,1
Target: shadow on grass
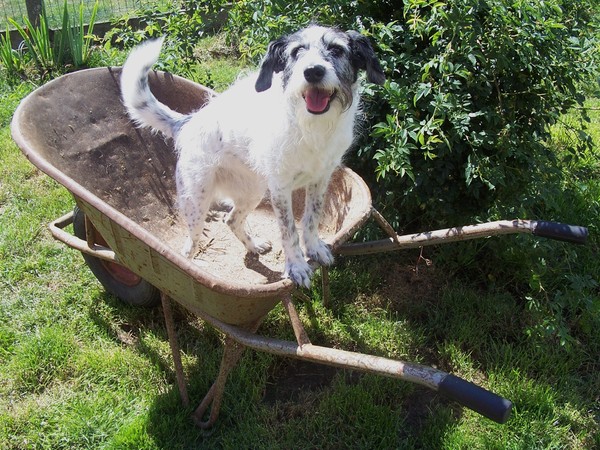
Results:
x,y
272,401
481,334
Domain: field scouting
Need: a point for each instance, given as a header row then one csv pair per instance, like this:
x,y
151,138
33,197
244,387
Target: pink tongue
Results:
x,y
317,100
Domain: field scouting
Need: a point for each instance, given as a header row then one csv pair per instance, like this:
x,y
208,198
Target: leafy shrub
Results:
x,y
461,127
465,135
474,88
183,23
252,24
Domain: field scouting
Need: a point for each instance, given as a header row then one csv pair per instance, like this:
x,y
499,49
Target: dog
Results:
x,y
284,127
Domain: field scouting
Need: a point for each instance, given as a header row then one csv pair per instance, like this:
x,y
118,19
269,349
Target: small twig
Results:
x,y
428,262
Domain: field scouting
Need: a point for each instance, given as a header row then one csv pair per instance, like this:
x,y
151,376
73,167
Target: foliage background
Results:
x,y
460,130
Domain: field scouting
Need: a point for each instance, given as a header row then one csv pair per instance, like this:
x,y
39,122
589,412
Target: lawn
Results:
x,y
78,369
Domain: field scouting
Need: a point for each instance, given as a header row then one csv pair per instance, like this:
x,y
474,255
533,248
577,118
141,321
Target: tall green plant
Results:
x,y
78,39
10,58
71,45
473,87
38,42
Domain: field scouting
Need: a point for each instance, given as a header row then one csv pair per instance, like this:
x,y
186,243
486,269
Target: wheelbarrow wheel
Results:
x,y
116,279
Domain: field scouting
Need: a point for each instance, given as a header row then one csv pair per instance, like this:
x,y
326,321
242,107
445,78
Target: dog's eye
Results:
x,y
295,51
336,50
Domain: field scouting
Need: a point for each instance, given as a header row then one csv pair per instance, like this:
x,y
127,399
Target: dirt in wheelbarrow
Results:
x,y
224,256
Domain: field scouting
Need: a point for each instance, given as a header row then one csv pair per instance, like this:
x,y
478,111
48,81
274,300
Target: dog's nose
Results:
x,y
314,74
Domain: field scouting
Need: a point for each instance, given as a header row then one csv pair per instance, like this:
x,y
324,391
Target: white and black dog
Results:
x,y
283,128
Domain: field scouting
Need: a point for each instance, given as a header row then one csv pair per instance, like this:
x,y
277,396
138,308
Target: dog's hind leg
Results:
x,y
194,211
194,203
237,222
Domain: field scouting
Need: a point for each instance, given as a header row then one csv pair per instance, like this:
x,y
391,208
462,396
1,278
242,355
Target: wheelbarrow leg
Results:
x,y
232,353
168,313
231,356
299,331
385,226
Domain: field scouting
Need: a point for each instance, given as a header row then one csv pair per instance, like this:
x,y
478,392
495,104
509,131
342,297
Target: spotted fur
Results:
x,y
283,128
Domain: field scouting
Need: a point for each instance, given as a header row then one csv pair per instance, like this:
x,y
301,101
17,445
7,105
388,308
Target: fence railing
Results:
x,y
107,9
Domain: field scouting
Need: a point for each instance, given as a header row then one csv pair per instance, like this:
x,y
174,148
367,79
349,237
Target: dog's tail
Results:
x,y
143,108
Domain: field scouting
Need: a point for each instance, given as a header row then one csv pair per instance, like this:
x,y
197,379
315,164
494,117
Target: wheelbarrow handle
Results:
x,y
553,230
476,398
468,394
58,233
559,231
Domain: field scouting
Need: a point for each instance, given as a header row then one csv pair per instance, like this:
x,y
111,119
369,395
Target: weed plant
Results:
x,y
11,59
50,51
38,42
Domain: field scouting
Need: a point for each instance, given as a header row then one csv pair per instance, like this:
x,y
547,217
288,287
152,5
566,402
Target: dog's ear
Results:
x,y
363,57
273,62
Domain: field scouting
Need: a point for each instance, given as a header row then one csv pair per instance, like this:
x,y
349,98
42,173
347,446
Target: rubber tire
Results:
x,y
141,293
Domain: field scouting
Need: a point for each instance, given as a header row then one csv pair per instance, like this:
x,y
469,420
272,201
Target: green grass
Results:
x,y
78,369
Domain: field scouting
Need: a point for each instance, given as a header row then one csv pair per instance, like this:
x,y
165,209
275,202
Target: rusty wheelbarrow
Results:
x,y
125,223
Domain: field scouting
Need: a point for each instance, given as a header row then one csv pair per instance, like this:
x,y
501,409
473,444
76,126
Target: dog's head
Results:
x,y
320,65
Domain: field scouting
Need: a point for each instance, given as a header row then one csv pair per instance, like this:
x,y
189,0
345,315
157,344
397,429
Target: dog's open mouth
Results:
x,y
318,100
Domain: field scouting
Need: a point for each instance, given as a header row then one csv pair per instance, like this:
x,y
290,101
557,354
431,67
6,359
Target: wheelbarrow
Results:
x,y
76,130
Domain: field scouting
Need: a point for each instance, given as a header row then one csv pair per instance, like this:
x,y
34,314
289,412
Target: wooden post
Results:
x,y
34,11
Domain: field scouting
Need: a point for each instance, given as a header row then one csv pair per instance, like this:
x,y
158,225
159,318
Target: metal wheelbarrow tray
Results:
x,y
76,130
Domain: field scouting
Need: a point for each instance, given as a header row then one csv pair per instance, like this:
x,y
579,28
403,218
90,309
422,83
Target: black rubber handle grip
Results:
x,y
560,231
476,398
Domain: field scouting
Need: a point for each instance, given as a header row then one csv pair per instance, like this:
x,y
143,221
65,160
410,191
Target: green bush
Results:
x,y
252,24
473,89
465,135
460,129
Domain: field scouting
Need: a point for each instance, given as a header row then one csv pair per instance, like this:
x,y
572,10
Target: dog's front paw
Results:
x,y
320,253
299,272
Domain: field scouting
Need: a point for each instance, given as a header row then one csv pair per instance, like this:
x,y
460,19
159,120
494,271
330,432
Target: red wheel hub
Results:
x,y
117,271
